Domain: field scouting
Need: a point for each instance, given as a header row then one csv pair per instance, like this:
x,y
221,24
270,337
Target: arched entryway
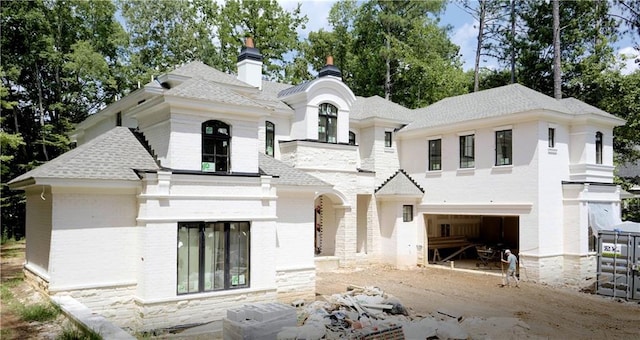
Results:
x,y
328,217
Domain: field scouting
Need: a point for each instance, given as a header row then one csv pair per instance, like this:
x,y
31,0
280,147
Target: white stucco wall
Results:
x,y
93,240
38,227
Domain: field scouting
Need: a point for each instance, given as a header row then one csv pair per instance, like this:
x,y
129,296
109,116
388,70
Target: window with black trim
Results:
x,y
328,123
435,155
388,136
407,213
552,137
598,147
467,151
212,256
503,147
270,137
216,139
119,119
352,138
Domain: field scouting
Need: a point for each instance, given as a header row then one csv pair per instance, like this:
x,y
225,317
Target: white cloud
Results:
x,y
627,56
466,37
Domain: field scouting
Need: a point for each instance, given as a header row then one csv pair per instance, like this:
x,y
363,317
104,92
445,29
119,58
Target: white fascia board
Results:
x,y
476,208
594,119
75,185
375,121
203,106
124,104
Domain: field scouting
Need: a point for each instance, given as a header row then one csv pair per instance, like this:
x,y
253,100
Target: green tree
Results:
x,y
273,29
61,62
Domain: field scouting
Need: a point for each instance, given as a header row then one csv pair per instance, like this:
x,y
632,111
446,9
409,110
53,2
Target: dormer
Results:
x,y
321,107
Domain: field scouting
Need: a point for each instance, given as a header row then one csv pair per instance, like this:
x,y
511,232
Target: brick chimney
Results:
x,y
330,70
250,64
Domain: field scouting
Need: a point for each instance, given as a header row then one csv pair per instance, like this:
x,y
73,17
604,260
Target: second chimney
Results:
x,y
250,64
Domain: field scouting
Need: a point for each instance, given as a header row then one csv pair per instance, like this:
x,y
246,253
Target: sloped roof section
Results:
x,y
113,155
378,107
494,102
198,69
200,88
295,89
400,184
287,175
579,107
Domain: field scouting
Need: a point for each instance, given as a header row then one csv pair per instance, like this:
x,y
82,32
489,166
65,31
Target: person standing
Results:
x,y
512,260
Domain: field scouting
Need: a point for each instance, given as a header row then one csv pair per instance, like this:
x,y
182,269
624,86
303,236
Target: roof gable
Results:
x,y
400,184
378,107
287,175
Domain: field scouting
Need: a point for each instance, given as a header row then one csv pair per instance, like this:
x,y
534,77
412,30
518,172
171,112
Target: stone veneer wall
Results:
x,y
572,270
116,304
296,284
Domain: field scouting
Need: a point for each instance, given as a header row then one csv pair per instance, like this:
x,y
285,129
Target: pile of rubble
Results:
x,y
370,313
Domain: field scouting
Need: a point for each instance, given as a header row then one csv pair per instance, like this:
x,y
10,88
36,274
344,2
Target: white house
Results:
x,y
203,190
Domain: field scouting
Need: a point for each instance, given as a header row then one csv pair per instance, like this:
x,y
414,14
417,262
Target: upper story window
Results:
x,y
212,256
435,155
503,148
407,213
352,138
388,136
119,119
328,123
270,136
216,138
598,147
552,137
467,151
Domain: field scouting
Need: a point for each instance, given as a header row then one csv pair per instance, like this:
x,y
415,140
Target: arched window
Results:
x,y
216,139
352,138
598,147
328,123
270,136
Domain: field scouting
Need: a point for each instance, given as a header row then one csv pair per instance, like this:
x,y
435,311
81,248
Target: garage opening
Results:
x,y
472,241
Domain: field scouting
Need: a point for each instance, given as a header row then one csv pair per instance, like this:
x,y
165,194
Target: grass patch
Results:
x,y
74,333
39,312
6,334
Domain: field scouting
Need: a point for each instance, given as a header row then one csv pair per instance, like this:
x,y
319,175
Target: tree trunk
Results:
x,y
476,72
387,80
557,76
512,42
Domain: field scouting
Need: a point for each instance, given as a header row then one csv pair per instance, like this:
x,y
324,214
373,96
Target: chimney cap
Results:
x,y
248,51
329,69
329,60
248,42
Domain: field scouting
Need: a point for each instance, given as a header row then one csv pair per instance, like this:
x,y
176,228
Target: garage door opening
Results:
x,y
472,241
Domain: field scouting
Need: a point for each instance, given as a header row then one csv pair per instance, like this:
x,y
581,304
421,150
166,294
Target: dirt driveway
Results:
x,y
553,313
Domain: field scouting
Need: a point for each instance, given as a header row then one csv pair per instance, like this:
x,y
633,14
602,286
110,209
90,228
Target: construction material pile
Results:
x,y
369,313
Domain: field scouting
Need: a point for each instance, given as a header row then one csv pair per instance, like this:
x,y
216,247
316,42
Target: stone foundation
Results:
x,y
296,284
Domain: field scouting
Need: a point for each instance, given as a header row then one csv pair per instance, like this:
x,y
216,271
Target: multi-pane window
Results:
x,y
552,137
215,146
503,147
270,136
407,213
352,138
212,256
598,147
467,153
435,155
387,138
328,123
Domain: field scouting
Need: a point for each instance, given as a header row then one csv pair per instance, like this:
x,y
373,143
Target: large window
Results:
x,y
270,136
215,146
212,256
598,147
435,155
467,153
328,123
503,147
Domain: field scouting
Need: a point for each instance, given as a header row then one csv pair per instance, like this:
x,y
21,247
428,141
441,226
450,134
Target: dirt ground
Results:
x,y
550,312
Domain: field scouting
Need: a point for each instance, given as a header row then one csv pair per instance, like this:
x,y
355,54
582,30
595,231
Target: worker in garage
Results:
x,y
512,260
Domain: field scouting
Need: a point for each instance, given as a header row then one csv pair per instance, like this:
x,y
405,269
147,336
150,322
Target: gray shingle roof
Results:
x,y
200,88
295,89
378,107
401,184
287,175
499,101
112,156
197,69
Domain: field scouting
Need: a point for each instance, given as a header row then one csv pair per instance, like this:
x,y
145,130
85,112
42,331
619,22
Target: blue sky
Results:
x,y
464,33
